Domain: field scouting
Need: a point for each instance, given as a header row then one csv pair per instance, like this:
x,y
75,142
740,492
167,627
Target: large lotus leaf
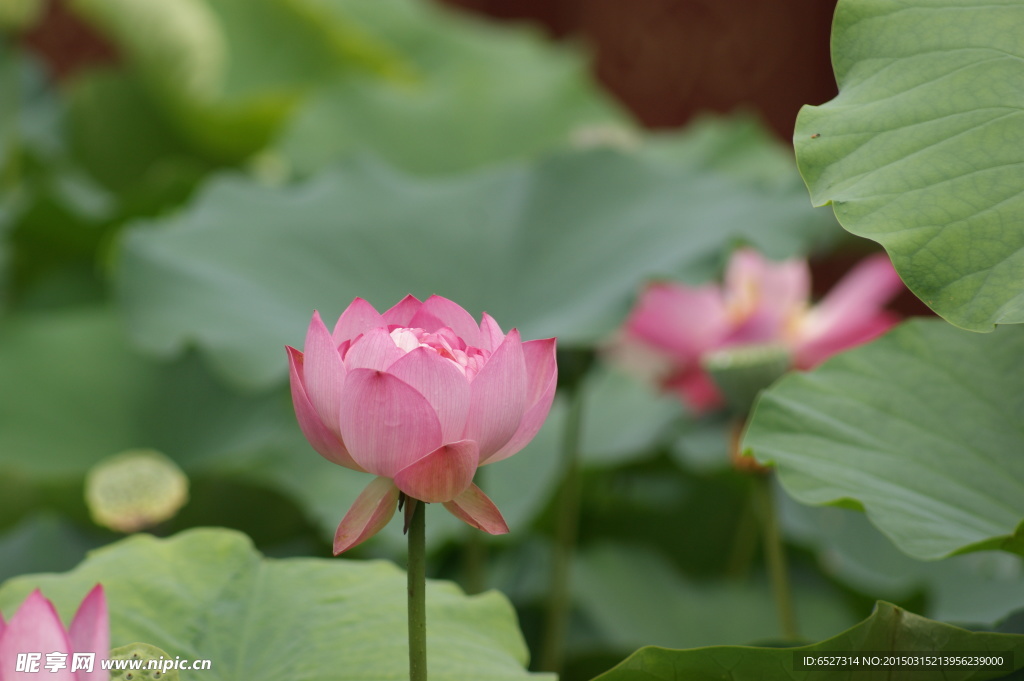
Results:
x,y
480,93
44,542
888,629
922,148
71,388
635,597
556,248
974,588
922,428
207,594
76,393
229,72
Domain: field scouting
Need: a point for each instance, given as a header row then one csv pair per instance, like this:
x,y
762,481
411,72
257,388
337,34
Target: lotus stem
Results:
x,y
745,540
417,573
775,555
559,603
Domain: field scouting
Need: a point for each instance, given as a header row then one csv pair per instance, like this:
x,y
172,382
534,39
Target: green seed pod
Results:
x,y
146,653
741,373
134,490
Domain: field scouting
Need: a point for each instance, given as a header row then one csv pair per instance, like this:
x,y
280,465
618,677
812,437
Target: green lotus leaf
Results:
x,y
922,149
921,428
208,595
889,629
977,588
555,248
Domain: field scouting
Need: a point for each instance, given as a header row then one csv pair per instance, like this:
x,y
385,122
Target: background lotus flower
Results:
x,y
36,628
761,303
419,396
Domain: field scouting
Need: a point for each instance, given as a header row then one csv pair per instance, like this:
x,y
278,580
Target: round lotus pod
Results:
x,y
742,372
134,490
150,656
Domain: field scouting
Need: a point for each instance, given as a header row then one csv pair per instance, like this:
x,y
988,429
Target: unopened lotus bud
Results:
x,y
134,490
420,397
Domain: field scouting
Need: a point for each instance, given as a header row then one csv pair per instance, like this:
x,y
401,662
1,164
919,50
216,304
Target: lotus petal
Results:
x,y
372,510
498,397
441,382
437,312
358,318
325,441
401,313
375,349
387,423
441,475
475,508
542,380
323,373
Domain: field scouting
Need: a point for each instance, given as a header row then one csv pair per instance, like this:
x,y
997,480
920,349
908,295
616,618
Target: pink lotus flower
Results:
x,y
419,397
761,303
36,628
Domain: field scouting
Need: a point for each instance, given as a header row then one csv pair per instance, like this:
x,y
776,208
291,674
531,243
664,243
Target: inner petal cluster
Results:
x,y
469,360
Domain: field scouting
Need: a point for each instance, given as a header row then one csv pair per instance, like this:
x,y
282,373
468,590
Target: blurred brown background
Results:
x,y
670,59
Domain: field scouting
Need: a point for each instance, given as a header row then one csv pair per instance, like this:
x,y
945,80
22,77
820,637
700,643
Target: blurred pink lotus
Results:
x,y
760,303
36,628
419,396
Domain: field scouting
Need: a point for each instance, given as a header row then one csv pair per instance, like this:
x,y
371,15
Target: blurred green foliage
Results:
x,y
169,222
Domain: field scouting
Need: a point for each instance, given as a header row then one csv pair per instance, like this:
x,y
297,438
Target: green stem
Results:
x,y
475,564
775,556
417,570
745,540
559,602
